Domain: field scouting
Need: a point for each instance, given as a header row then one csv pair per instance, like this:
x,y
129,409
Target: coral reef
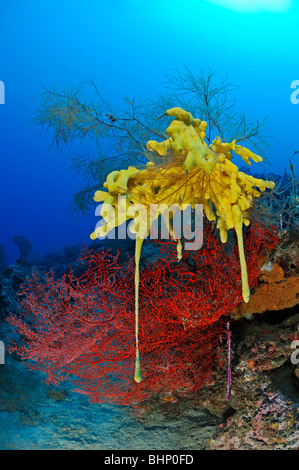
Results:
x,y
263,408
192,173
262,411
84,326
24,246
278,286
3,264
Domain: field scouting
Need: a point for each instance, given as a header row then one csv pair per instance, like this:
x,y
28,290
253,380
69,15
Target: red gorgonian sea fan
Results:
x,y
83,329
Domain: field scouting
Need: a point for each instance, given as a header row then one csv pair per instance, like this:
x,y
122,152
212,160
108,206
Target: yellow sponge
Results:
x,y
194,173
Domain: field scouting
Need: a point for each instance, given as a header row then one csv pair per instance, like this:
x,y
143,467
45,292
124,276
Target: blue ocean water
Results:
x,y
126,46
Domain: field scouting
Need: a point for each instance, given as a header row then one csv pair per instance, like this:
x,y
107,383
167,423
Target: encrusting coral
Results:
x,y
189,173
278,287
81,327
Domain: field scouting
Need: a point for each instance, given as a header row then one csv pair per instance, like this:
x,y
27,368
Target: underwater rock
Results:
x,y
3,264
261,413
56,394
262,410
278,287
35,416
24,246
10,281
287,253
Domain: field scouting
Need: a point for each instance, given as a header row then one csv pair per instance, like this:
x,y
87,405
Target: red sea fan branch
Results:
x,y
84,327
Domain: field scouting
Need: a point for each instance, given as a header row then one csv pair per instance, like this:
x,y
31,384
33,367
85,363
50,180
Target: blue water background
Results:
x,y
126,46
